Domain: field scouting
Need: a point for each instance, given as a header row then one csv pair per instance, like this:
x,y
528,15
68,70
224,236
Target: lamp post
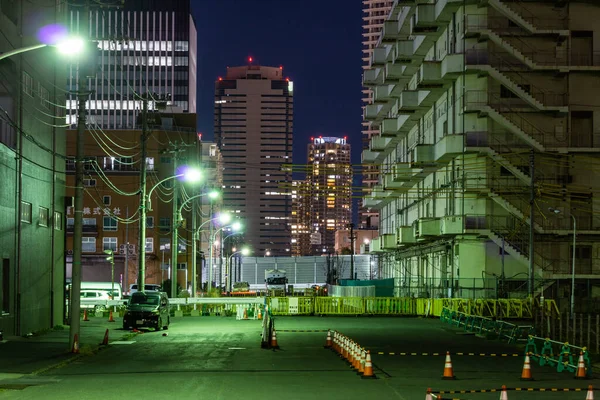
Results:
x,y
222,247
188,174
224,218
213,194
71,46
236,226
245,251
572,312
111,258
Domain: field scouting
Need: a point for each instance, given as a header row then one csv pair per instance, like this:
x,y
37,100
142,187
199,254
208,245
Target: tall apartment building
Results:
x,y
253,129
375,12
32,168
327,201
144,46
111,201
488,145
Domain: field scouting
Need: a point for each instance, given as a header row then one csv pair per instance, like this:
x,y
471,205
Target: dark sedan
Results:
x,y
147,309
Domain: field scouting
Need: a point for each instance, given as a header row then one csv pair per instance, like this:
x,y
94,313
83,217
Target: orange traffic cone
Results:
x,y
75,344
368,367
245,313
105,341
335,342
328,340
110,317
526,374
448,372
361,365
259,313
580,374
504,394
428,396
274,344
85,316
590,393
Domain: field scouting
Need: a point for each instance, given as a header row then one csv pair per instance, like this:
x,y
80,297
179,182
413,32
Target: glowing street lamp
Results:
x,y
189,175
236,226
244,251
70,46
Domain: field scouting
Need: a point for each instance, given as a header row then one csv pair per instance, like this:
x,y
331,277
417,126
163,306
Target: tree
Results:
x,y
335,268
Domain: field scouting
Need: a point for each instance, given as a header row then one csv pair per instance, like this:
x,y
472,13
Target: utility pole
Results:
x,y
126,280
194,249
141,280
211,245
174,229
82,94
531,218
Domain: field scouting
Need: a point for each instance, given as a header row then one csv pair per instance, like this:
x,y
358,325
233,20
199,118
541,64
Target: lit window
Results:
x,y
44,215
57,221
25,212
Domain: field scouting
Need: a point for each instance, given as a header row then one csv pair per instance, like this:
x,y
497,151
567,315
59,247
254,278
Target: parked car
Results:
x,y
148,287
93,299
147,309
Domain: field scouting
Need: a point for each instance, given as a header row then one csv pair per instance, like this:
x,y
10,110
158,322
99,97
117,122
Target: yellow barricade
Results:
x,y
390,306
339,305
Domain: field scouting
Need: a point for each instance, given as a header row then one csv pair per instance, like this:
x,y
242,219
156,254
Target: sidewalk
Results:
x,y
33,355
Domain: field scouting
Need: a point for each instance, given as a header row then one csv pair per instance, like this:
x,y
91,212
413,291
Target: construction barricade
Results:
x,y
562,356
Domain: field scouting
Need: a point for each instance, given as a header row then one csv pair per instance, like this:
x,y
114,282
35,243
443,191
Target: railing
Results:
x,y
482,98
496,61
549,23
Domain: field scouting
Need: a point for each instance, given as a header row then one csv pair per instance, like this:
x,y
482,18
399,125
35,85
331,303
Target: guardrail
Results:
x,y
320,305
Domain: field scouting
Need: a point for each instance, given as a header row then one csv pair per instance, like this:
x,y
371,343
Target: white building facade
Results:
x,y
488,120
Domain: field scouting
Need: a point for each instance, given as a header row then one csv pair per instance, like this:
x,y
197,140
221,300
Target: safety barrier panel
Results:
x,y
484,325
563,356
291,305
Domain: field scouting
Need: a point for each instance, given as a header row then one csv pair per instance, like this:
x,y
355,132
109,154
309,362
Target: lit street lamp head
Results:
x,y
71,46
191,174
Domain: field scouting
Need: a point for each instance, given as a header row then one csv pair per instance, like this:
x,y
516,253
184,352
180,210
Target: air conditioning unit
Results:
x,y
131,249
122,249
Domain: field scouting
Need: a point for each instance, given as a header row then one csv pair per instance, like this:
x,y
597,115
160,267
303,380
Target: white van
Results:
x,y
148,287
104,287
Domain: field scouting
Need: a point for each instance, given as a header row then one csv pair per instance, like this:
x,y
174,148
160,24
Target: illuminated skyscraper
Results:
x,y
253,128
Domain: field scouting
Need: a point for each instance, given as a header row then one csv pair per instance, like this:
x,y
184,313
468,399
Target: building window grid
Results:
x,y
109,243
43,216
109,224
25,212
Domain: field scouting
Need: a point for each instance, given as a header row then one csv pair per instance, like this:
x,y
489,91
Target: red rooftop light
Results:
x,y
249,59
287,79
220,78
281,67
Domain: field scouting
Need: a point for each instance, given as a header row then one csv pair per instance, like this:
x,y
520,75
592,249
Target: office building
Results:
x,y
487,148
253,129
32,148
374,13
144,47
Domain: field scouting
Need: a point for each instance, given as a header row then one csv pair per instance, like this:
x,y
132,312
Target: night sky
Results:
x,y
318,43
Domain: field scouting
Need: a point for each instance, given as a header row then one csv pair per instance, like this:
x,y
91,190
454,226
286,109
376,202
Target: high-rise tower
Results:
x,y
374,14
328,192
144,47
253,128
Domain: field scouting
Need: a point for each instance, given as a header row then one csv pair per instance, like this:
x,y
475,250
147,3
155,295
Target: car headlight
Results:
x,y
155,312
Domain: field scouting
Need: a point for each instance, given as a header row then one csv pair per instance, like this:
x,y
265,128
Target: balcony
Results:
x,y
380,56
451,225
452,66
406,235
430,74
390,31
404,51
371,111
368,156
410,100
377,198
379,143
382,94
389,241
390,127
444,150
372,77
425,16
402,176
393,73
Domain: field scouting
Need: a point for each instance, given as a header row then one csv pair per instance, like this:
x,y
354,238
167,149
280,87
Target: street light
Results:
x,y
73,47
188,174
555,211
213,194
111,258
70,46
236,226
223,218
244,251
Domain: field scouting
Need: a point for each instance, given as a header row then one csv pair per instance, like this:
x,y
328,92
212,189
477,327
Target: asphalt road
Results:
x,y
221,358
